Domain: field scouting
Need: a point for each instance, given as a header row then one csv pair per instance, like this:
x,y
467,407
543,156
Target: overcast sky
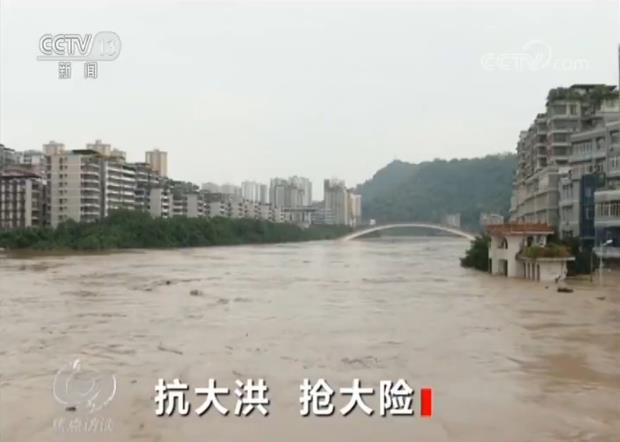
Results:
x,y
248,90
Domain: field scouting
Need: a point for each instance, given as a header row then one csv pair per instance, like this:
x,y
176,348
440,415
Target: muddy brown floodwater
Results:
x,y
507,360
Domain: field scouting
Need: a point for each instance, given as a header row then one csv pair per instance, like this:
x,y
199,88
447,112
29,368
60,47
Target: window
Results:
x,y
558,109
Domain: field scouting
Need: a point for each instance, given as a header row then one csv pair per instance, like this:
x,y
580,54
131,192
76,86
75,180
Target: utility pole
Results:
x,y
600,260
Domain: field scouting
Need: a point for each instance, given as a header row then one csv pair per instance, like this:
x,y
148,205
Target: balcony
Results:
x,y
553,117
607,208
568,202
598,154
607,195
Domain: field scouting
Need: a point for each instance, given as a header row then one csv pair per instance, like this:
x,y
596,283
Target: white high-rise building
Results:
x,y
355,216
74,179
340,205
305,185
277,192
85,185
336,199
250,190
118,186
293,193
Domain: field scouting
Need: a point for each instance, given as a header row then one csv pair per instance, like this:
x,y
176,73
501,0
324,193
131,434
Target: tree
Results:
x,y
477,256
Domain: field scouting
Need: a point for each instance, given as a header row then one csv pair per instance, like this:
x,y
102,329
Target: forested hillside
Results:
x,y
427,191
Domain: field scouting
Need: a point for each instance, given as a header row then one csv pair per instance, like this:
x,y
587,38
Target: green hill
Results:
x,y
427,191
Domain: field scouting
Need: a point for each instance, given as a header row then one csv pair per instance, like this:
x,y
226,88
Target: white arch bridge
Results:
x,y
447,229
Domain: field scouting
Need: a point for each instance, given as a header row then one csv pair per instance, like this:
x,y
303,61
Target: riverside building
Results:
x,y
341,205
75,186
22,198
544,149
8,156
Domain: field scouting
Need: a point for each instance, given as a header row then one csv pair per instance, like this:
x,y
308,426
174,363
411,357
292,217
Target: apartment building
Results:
x,y
118,185
22,198
32,159
544,149
8,156
216,208
355,209
305,185
321,214
278,188
53,148
250,190
587,159
336,199
263,194
292,193
107,150
253,191
218,204
160,202
146,179
539,197
607,197
233,206
194,205
302,216
75,186
237,208
189,205
158,160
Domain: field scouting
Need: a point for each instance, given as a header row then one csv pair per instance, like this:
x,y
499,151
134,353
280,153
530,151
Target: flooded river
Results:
x,y
507,360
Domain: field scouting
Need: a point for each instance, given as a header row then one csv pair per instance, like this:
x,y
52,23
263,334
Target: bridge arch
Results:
x,y
447,229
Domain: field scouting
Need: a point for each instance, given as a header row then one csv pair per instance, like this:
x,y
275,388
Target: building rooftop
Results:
x,y
519,229
85,152
18,172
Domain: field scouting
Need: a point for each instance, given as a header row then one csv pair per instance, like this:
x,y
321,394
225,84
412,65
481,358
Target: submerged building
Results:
x,y
520,251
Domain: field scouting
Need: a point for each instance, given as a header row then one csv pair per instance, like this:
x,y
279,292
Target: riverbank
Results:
x,y
132,229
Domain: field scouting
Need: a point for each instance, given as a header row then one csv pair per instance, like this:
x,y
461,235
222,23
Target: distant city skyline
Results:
x,y
248,91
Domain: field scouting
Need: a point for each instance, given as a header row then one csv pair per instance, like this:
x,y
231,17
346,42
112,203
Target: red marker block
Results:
x,y
426,406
